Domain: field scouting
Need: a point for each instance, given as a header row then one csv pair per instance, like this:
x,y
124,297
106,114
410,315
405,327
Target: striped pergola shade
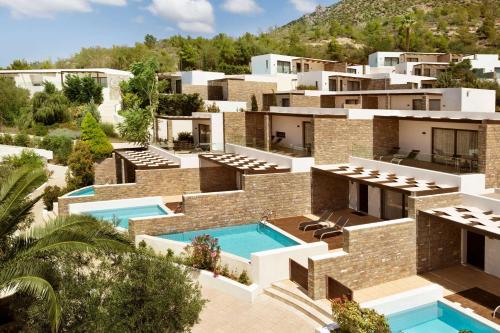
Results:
x,y
472,218
144,159
244,164
391,181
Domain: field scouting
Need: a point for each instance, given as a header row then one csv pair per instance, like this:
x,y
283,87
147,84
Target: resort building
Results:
x,y
109,79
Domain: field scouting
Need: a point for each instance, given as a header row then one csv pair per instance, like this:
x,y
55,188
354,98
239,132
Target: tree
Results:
x,y
80,167
49,106
150,41
94,136
12,99
60,145
19,64
407,24
136,125
25,257
255,106
352,318
82,90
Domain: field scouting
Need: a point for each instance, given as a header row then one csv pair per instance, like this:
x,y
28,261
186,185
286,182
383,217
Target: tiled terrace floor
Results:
x,y
462,284
291,225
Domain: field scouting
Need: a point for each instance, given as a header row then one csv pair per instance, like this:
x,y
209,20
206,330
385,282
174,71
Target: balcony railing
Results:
x,y
436,162
275,147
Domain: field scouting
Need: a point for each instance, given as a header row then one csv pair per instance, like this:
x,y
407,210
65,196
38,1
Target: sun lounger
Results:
x,y
311,225
330,231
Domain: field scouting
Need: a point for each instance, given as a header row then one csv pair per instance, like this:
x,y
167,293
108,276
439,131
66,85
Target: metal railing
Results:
x,y
436,162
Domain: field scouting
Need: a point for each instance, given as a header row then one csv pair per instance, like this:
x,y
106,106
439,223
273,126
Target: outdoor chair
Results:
x,y
390,154
312,225
333,229
400,158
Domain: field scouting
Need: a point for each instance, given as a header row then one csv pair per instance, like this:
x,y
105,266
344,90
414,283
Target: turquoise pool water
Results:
x,y
240,240
83,191
435,317
123,215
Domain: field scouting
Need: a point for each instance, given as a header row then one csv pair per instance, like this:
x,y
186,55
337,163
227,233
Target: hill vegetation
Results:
x,y
348,31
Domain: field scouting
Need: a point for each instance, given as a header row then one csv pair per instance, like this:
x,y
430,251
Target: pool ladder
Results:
x,y
266,215
494,314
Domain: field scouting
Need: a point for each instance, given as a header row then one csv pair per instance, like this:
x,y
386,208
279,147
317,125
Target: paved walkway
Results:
x,y
58,178
224,313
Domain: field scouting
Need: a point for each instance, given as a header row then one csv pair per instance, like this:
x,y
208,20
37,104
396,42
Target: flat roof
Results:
x,y
66,70
470,218
244,164
194,117
387,180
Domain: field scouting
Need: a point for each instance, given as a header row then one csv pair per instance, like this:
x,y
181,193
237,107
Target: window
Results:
x,y
418,104
351,71
351,101
426,85
454,142
306,67
435,105
427,72
284,67
267,64
333,85
353,86
412,60
316,85
418,71
391,61
36,79
285,102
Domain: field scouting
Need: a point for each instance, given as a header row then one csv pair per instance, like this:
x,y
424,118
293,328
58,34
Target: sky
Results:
x,y
53,29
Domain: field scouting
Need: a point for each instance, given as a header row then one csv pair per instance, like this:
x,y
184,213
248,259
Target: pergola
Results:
x,y
244,164
128,161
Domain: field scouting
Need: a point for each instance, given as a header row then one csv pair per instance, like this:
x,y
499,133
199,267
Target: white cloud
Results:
x,y
138,19
304,6
48,8
241,6
190,15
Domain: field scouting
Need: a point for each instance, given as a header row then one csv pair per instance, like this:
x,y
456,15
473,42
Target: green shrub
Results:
x,y
26,158
94,136
39,129
12,99
255,106
36,142
7,139
180,104
50,106
22,140
306,87
185,136
79,111
203,253
82,90
65,132
244,278
129,100
352,318
80,167
108,129
60,145
50,195
212,108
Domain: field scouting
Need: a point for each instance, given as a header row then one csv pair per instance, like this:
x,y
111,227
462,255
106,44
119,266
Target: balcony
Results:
x,y
456,164
277,148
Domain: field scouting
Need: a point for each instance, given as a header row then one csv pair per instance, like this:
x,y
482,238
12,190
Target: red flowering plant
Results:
x,y
204,253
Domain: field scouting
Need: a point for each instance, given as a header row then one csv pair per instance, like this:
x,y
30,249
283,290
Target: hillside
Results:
x,y
348,30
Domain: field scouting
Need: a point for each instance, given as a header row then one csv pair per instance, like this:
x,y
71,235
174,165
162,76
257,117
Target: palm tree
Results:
x,y
407,23
25,255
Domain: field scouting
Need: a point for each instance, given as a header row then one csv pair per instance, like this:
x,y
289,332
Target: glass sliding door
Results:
x,y
448,142
443,142
394,205
467,143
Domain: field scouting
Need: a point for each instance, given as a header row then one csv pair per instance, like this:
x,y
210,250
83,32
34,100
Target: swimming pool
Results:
x,y
435,317
123,215
240,240
81,192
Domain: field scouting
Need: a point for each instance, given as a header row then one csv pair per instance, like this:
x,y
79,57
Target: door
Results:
x,y
307,137
363,198
204,135
475,249
370,102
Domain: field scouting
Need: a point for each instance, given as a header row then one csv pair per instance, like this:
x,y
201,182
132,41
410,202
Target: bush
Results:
x,y
82,90
108,129
255,106
306,87
12,99
136,126
26,158
185,136
78,112
352,318
80,167
244,278
60,145
50,195
203,253
94,136
50,106
212,108
180,104
7,139
22,140
65,132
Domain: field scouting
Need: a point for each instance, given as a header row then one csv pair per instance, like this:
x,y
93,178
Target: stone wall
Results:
x,y
489,153
255,129
335,139
239,90
166,182
105,172
328,192
286,194
372,254
215,178
385,135
234,127
305,101
195,89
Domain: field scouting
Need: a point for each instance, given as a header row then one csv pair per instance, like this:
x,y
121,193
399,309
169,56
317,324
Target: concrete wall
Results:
x,y
373,254
293,128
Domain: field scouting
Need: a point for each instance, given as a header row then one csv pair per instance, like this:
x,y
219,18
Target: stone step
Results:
x,y
290,288
309,311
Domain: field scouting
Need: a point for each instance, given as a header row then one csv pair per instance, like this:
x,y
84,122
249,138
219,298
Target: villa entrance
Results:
x,y
475,249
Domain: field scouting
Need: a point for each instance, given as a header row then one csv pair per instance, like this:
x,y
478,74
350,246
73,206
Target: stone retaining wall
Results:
x,y
105,172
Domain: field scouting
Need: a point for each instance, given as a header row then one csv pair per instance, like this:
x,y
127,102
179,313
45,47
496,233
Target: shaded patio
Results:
x,y
291,226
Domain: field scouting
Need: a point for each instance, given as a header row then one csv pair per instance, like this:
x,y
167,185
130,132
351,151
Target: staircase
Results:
x,y
290,293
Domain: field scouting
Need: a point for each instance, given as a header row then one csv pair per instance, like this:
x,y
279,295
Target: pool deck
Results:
x,y
291,226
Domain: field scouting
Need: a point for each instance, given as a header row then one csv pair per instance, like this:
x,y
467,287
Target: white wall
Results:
x,y
200,78
292,126
313,78
411,134
258,63
377,59
186,161
488,62
84,207
374,208
14,150
475,100
492,259
228,106
177,127
217,128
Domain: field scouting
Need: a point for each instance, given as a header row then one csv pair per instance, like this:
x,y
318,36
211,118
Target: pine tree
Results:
x,y
94,136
